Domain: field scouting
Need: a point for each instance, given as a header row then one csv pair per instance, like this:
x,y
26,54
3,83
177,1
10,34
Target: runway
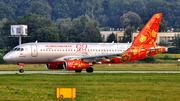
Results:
x,y
73,72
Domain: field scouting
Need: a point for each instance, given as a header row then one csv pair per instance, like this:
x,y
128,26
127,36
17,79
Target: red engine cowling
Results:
x,y
58,65
75,65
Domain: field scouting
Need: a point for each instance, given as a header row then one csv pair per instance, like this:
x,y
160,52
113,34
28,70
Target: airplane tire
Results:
x,y
21,71
89,70
78,71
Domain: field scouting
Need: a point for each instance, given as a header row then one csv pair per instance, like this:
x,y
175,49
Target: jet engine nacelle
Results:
x,y
75,65
58,65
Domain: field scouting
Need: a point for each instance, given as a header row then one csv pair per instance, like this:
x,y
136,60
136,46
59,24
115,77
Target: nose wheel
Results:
x,y
21,70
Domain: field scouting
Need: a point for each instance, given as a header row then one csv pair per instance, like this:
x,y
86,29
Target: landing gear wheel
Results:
x,y
21,71
89,70
78,71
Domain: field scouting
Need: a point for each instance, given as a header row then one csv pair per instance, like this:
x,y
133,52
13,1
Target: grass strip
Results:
x,y
91,87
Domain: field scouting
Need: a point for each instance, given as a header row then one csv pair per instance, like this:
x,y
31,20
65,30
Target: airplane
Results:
x,y
78,56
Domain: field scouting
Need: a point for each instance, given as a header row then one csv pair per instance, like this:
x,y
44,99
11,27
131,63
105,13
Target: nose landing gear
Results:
x,y
21,70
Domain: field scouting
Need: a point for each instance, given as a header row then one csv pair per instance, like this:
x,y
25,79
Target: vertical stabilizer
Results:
x,y
148,34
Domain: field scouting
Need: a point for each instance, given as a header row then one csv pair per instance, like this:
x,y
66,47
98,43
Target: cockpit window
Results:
x,y
22,49
18,49
14,49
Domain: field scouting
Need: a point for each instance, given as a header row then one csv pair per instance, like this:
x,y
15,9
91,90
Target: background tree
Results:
x,y
85,29
141,27
111,38
163,26
50,34
65,25
163,43
40,9
177,44
130,19
177,30
105,28
127,34
6,12
2,38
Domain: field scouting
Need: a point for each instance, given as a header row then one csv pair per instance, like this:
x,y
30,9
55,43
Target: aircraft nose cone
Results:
x,y
7,58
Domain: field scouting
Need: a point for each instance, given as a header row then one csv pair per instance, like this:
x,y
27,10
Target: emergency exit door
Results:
x,y
34,51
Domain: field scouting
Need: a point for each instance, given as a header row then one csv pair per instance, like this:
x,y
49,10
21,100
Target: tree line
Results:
x,y
106,12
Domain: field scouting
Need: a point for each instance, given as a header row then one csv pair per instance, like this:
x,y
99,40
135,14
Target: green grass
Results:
x,y
91,87
169,55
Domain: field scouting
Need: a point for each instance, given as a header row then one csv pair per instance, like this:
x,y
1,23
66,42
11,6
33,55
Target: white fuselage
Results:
x,y
58,52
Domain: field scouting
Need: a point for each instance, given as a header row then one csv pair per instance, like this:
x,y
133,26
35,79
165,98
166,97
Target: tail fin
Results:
x,y
147,36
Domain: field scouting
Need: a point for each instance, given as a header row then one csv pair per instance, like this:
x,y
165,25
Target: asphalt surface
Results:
x,y
73,72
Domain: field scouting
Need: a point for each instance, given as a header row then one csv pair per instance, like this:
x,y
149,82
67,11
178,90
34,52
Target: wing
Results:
x,y
106,57
98,58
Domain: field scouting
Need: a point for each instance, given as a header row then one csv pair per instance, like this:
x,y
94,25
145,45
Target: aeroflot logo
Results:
x,y
81,47
58,46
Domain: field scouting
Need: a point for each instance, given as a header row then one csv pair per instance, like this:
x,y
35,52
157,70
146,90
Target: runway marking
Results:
x,y
73,72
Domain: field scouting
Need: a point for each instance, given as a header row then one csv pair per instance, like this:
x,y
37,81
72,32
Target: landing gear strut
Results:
x,y
89,70
21,70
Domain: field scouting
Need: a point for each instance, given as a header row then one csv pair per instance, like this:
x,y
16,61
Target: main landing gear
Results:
x,y
88,70
21,70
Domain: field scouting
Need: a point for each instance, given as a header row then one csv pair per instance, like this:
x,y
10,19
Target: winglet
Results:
x,y
148,34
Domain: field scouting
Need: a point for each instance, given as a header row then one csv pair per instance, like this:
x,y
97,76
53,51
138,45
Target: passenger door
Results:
x,y
34,51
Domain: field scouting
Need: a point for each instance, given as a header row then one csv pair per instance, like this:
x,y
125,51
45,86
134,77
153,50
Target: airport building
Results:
x,y
119,35
165,36
162,36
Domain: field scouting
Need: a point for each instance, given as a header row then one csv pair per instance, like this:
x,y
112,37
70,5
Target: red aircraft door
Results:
x,y
34,51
